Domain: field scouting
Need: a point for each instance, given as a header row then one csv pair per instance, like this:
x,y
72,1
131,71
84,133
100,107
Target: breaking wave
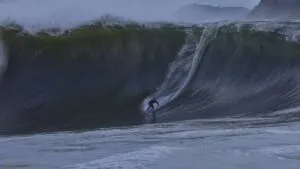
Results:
x,y
101,75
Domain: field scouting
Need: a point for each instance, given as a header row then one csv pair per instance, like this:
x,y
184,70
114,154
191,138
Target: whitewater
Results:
x,y
73,92
226,143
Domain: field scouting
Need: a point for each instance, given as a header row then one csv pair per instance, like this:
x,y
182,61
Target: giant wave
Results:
x,y
101,75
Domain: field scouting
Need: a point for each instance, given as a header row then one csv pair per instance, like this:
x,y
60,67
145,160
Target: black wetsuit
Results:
x,y
151,107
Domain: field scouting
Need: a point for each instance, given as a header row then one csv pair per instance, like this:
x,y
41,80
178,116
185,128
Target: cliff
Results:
x,y
276,10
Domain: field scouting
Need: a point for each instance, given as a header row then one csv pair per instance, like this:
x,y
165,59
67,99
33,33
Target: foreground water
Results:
x,y
210,144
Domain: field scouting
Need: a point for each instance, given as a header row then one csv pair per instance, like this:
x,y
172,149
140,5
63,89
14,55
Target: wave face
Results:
x,y
100,75
92,76
235,70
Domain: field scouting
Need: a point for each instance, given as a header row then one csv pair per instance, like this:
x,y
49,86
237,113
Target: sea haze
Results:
x,y
66,13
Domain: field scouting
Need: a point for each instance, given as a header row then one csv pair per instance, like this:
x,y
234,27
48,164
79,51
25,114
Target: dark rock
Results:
x,y
276,10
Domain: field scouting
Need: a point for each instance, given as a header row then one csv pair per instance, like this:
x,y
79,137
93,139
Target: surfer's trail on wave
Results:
x,y
182,70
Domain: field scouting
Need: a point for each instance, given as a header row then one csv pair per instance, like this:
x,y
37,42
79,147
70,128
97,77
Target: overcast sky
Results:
x,y
66,12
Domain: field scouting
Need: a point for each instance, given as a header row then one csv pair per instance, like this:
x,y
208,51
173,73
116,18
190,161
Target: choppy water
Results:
x,y
210,144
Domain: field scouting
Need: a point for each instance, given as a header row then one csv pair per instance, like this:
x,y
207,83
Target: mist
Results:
x,y
66,13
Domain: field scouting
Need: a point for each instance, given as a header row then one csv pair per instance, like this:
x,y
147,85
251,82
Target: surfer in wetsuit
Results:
x,y
151,107
151,104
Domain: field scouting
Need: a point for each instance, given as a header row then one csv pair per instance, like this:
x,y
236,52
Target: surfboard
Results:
x,y
150,116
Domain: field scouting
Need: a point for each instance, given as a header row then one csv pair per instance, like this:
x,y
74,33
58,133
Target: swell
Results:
x,y
243,72
89,77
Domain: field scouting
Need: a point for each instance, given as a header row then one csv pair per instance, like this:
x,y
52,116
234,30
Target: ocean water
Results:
x,y
210,144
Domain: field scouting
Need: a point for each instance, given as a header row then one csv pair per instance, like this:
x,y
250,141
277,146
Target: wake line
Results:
x,y
182,70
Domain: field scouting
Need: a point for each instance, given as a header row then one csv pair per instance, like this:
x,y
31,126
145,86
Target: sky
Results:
x,y
71,12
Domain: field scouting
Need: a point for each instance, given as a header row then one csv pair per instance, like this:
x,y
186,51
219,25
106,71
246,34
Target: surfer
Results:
x,y
151,107
151,104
